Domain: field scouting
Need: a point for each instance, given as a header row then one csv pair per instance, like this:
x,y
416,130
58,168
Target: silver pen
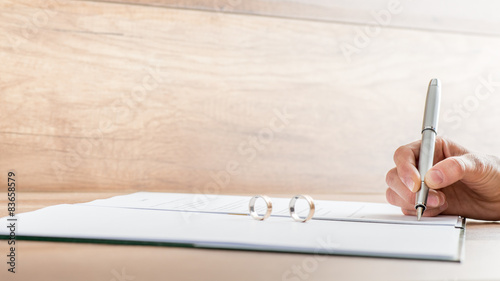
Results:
x,y
429,132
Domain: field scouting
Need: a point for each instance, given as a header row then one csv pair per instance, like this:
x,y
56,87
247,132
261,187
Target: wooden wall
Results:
x,y
237,96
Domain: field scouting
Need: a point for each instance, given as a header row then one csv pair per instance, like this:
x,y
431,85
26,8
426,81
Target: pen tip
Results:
x,y
420,211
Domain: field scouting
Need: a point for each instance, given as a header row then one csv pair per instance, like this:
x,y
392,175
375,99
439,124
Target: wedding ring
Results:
x,y
292,207
251,206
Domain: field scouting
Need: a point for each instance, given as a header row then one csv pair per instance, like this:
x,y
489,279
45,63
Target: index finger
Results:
x,y
405,159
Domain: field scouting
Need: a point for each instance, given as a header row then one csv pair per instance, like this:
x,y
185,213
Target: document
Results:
x,y
222,222
238,205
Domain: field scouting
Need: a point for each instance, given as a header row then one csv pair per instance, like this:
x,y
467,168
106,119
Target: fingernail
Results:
x,y
409,183
434,178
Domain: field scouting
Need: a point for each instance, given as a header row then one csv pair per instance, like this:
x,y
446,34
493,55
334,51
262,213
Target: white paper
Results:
x,y
228,204
144,217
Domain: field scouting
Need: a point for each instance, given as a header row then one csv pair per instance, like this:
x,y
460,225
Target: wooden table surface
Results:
x,y
303,96
75,261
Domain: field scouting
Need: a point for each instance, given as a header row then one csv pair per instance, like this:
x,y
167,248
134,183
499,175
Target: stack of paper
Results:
x,y
209,221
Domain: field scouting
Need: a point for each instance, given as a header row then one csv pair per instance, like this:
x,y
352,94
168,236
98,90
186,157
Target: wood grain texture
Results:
x,y
72,261
113,97
476,17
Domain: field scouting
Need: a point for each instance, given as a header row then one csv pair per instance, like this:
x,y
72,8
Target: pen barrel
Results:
x,y
432,103
425,162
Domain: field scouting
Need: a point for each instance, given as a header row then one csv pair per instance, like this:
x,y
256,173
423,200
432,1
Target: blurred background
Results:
x,y
237,96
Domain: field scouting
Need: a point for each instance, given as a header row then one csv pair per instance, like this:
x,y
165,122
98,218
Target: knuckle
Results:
x,y
480,164
389,178
389,195
472,163
459,167
483,167
440,141
399,151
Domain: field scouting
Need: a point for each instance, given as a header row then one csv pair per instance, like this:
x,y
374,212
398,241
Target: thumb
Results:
x,y
468,167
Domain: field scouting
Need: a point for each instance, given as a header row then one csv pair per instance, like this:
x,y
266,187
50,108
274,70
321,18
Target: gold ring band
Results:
x,y
312,208
251,207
